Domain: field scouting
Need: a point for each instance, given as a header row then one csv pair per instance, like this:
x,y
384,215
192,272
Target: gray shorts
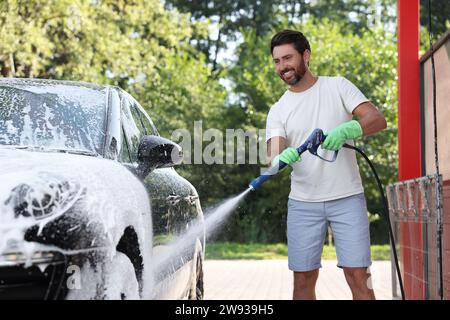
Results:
x,y
306,228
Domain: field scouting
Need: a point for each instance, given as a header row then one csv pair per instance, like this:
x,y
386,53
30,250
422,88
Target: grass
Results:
x,y
260,251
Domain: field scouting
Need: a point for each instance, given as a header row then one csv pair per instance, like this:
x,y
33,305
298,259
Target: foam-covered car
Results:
x,y
90,204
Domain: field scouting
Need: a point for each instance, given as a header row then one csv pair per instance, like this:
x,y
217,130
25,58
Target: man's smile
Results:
x,y
288,74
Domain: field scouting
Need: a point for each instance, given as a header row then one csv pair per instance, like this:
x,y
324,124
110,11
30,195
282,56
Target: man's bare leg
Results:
x,y
305,285
360,283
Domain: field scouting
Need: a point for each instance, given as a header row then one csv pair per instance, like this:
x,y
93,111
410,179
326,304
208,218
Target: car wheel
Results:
x,y
121,282
113,279
197,288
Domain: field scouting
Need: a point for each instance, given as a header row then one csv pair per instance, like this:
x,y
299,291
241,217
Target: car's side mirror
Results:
x,y
157,152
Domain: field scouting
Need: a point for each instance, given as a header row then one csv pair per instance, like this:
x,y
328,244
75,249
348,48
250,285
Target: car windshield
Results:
x,y
53,116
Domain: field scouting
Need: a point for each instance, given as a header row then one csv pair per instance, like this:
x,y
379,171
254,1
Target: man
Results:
x,y
321,192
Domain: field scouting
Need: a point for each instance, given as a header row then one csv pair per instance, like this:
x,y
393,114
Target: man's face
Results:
x,y
289,63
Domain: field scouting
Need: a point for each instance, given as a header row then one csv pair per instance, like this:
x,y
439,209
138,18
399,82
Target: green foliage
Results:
x,y
147,50
229,17
380,252
168,61
440,21
137,45
257,251
91,40
260,251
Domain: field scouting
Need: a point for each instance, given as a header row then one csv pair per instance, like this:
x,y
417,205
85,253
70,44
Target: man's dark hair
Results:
x,y
290,36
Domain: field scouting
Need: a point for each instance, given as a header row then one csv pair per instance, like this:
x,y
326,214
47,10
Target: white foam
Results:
x,y
69,117
107,193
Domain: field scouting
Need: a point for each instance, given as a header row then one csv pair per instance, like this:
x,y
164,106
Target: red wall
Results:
x,y
446,240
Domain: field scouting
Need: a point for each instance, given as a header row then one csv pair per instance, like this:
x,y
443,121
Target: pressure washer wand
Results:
x,y
311,144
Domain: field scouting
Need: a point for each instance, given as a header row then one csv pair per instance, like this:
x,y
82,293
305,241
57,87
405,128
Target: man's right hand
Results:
x,y
288,156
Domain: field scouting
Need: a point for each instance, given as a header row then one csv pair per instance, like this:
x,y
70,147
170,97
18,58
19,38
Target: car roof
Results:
x,y
43,82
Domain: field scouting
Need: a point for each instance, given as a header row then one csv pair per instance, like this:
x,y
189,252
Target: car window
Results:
x,y
137,117
146,122
133,131
57,116
125,150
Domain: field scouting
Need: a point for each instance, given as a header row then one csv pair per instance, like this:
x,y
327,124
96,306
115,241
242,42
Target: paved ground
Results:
x,y
272,280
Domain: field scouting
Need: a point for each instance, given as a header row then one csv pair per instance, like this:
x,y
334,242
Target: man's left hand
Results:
x,y
336,138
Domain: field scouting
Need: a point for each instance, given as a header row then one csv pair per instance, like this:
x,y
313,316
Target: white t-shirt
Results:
x,y
327,104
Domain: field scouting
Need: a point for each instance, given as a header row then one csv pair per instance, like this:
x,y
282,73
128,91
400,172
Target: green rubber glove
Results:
x,y
288,156
336,138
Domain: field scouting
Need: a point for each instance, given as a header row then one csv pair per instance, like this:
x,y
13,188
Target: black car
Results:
x,y
90,204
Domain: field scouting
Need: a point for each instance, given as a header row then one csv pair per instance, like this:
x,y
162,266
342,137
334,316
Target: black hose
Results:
x,y
386,214
436,158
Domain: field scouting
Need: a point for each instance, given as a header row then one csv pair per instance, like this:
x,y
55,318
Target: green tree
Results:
x,y
261,16
440,22
229,16
89,39
138,45
164,55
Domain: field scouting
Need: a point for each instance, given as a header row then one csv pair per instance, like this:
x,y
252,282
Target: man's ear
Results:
x,y
306,56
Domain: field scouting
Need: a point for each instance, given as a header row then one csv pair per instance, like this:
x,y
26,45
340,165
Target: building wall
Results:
x,y
442,67
442,72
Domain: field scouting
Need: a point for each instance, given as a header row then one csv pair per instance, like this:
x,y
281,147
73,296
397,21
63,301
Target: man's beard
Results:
x,y
299,73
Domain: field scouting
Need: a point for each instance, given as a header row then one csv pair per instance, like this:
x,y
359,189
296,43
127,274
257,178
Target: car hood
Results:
x,y
40,187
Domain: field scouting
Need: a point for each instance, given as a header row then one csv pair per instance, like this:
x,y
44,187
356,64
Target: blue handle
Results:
x,y
273,170
312,144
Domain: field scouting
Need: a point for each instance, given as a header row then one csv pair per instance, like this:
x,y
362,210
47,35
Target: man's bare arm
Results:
x,y
370,118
